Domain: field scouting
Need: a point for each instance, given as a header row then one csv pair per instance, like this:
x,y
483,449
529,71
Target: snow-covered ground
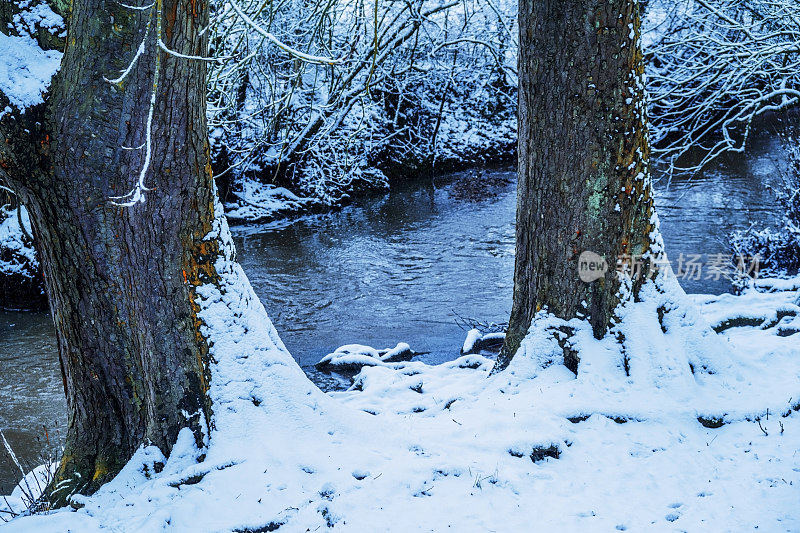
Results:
x,y
414,447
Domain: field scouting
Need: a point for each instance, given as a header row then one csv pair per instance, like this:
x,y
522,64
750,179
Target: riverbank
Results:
x,y
415,445
459,114
468,137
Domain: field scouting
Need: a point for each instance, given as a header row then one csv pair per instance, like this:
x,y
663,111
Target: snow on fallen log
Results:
x,y
254,201
765,310
353,357
777,284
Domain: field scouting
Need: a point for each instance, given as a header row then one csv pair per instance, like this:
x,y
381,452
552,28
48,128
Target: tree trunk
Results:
x,y
121,280
583,155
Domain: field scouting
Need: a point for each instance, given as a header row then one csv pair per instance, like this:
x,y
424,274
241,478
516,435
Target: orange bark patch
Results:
x,y
198,270
171,16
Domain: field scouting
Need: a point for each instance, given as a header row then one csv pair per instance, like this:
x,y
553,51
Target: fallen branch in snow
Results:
x,y
467,323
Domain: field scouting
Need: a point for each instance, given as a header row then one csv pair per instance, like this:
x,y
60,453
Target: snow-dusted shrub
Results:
x,y
359,94
778,250
424,83
28,497
714,67
20,281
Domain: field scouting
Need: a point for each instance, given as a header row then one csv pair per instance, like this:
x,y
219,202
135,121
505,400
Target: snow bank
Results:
x,y
623,445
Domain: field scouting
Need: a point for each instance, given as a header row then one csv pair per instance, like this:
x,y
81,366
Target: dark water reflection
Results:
x,y
698,214
32,405
389,269
397,268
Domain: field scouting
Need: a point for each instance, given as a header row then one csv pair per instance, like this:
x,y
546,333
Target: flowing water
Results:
x,y
402,267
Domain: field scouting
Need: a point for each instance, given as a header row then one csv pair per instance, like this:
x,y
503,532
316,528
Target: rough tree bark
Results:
x,y
583,155
121,280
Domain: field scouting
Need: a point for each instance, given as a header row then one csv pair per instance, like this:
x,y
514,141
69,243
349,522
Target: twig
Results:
x,y
762,427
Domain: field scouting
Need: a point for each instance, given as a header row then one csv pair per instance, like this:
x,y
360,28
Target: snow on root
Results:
x,y
664,360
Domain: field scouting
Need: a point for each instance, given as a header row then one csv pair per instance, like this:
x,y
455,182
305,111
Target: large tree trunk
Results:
x,y
121,280
583,155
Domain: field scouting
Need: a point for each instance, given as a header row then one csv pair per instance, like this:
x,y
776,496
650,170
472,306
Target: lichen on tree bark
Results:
x,y
583,159
122,280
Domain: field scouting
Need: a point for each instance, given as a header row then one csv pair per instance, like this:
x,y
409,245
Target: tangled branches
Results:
x,y
716,67
323,123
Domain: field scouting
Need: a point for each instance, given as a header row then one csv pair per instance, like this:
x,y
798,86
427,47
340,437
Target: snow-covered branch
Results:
x,y
284,104
721,64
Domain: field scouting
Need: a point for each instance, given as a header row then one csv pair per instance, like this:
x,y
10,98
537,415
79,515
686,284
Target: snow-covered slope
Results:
x,y
434,448
21,285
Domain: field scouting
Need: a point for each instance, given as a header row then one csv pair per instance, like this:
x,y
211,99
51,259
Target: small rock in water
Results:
x,y
352,357
477,342
401,352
